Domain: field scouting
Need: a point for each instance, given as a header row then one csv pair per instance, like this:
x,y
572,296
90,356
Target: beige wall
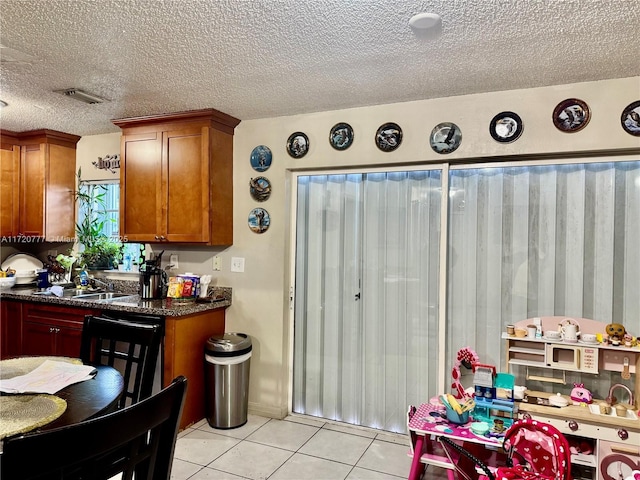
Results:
x,y
260,305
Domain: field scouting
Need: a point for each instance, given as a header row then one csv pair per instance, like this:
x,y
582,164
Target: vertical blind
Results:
x,y
366,303
541,241
522,241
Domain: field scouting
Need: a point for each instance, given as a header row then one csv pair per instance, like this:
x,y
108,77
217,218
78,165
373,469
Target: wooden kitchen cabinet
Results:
x,y
185,339
38,184
10,329
52,329
176,178
9,183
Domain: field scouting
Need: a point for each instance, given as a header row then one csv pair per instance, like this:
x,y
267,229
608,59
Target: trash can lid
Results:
x,y
236,343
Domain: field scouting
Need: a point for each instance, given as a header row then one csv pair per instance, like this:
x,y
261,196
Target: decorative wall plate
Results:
x,y
630,119
571,115
297,145
506,127
261,158
259,220
445,137
341,136
388,137
260,189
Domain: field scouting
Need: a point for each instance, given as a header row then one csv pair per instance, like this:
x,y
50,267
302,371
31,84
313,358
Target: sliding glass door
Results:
x,y
366,295
521,241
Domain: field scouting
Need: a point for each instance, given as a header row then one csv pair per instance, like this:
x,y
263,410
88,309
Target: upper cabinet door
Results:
x,y
32,187
141,195
9,189
177,178
185,158
37,184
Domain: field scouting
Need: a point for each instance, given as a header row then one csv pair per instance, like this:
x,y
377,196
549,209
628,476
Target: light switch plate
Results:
x,y
237,264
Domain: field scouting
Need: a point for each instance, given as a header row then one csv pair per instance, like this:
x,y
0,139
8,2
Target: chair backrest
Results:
x,y
132,348
140,438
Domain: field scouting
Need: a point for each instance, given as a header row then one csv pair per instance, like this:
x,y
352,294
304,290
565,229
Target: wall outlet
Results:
x,y
53,253
173,260
237,264
217,262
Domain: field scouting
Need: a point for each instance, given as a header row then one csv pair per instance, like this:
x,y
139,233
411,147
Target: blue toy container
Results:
x,y
455,417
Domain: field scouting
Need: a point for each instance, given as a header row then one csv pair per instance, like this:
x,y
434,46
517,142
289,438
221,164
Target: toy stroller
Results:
x,y
536,451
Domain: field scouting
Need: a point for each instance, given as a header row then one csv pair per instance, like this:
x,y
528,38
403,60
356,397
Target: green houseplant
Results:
x,y
97,250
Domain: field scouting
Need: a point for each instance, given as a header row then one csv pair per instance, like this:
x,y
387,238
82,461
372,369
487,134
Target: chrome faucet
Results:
x,y
108,285
611,400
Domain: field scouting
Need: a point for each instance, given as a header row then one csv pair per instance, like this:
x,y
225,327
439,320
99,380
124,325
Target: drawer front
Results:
x,y
591,431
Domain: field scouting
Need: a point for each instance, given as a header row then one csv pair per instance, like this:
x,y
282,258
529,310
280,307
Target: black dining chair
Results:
x,y
131,348
138,439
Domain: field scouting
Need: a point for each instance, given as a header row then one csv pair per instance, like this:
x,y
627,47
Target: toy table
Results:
x,y
425,424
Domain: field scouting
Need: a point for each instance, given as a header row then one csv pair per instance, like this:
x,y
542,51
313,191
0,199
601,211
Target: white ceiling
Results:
x,y
267,58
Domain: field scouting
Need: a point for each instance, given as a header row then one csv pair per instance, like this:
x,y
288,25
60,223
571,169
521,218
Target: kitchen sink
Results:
x,y
595,409
102,296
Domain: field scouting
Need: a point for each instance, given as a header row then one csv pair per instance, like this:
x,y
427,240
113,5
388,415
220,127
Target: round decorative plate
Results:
x,y
341,136
506,127
261,158
389,137
445,137
630,119
260,189
259,220
297,145
571,115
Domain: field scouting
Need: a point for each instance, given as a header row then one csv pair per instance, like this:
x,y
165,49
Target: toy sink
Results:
x,y
595,409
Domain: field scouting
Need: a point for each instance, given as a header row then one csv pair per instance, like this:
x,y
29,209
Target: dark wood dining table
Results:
x,y
90,398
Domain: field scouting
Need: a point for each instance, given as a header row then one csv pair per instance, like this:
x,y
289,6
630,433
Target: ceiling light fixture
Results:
x,y
425,21
81,96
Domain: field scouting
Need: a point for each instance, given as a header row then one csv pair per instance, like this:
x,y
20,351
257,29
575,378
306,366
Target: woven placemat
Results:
x,y
15,367
23,413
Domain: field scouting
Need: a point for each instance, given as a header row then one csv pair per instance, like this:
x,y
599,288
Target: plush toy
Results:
x,y
615,332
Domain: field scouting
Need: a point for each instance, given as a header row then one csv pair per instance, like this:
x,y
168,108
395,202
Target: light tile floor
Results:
x,y
296,448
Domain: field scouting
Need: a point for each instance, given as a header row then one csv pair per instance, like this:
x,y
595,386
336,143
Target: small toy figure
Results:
x,y
616,332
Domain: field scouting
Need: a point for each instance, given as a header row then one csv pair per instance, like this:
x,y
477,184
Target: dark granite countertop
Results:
x,y
220,297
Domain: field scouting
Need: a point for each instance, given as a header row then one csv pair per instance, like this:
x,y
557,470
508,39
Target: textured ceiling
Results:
x,y
267,58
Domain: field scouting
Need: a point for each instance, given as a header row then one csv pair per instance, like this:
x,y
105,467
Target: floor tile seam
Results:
x,y
328,459
334,461
327,427
268,445
207,428
379,471
219,470
292,419
408,441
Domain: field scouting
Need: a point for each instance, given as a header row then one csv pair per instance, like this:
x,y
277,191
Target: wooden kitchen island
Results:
x,y
37,325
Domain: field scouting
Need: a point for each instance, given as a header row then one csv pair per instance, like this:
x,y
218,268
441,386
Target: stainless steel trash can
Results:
x,y
227,364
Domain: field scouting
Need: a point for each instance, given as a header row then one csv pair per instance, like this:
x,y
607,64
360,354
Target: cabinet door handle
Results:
x,y
162,237
624,449
50,329
157,237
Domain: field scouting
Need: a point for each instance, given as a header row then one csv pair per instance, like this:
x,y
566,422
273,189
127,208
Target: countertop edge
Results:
x,y
134,304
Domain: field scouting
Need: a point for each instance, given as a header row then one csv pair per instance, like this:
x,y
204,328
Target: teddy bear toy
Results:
x,y
615,333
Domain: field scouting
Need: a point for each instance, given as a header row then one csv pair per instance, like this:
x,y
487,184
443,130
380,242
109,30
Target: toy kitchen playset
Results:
x,y
604,434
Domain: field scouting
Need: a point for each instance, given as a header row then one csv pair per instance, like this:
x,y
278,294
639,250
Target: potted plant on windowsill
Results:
x,y
97,251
